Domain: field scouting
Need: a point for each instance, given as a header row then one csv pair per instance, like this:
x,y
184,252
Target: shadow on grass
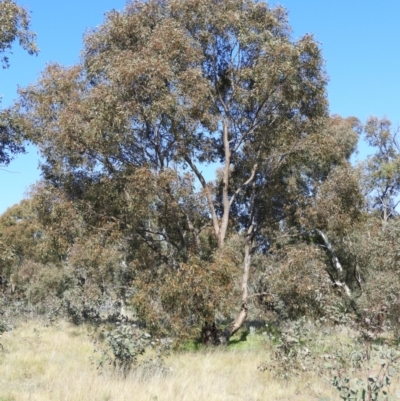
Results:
x,y
241,340
197,345
243,337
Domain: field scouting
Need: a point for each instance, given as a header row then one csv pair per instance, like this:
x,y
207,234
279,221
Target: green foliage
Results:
x,y
293,351
358,369
371,374
382,170
376,252
125,344
4,326
183,301
14,22
294,283
11,141
163,89
48,280
20,247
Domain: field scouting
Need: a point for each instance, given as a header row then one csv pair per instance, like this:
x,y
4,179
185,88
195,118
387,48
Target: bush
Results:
x,y
357,367
370,375
3,327
124,347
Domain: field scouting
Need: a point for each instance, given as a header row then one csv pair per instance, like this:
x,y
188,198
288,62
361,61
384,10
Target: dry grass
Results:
x,y
54,363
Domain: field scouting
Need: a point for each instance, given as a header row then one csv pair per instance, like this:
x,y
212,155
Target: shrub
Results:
x,y
125,344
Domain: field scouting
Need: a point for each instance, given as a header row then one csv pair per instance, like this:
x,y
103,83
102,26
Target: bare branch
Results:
x,y
247,182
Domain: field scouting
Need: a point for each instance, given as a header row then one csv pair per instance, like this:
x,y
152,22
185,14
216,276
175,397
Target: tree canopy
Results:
x,y
166,90
382,178
14,25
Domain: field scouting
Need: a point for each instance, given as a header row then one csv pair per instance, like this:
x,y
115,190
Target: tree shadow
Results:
x,y
243,337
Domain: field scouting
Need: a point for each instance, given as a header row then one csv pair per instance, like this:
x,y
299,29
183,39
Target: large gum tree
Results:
x,y
176,86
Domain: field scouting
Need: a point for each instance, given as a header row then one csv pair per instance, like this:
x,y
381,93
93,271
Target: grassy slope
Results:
x,y
54,363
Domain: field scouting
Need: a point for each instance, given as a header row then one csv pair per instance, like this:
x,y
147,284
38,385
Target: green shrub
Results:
x,y
124,347
370,375
359,369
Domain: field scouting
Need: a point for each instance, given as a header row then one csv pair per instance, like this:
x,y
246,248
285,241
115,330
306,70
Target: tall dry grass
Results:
x,y
54,363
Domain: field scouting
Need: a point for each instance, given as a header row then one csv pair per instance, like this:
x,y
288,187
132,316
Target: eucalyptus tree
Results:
x,y
14,25
382,169
20,238
166,88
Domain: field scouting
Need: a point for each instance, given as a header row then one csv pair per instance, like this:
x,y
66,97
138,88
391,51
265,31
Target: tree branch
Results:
x,y
336,263
203,183
247,182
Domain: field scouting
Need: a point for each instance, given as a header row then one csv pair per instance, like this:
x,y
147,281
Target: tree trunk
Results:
x,y
340,281
225,189
242,316
212,335
222,337
122,302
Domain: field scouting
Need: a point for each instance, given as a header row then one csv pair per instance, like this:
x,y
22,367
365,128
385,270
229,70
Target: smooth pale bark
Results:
x,y
13,284
335,263
122,301
385,211
221,226
248,248
242,316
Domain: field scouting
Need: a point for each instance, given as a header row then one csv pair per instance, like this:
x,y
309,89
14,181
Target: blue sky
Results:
x,y
359,40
